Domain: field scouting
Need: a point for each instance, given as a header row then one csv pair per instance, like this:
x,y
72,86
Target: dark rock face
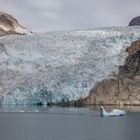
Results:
x,y
9,25
132,64
123,88
135,21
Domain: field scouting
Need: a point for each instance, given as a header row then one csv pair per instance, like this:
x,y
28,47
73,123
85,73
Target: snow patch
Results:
x,y
4,28
21,30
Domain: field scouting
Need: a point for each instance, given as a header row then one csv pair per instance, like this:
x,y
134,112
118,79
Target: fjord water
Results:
x,y
56,123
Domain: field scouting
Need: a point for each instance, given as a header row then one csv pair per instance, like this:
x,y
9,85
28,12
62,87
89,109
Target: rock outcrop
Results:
x,y
124,88
9,25
135,21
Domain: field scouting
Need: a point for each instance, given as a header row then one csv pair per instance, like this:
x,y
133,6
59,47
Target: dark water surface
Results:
x,y
55,123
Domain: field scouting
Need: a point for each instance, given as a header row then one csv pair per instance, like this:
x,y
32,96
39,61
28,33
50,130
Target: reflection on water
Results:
x,y
57,123
50,109
109,108
57,109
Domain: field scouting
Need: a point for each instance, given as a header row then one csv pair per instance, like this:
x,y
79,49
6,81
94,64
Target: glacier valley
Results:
x,y
60,66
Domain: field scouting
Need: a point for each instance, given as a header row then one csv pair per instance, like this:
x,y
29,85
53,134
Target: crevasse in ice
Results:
x,y
55,66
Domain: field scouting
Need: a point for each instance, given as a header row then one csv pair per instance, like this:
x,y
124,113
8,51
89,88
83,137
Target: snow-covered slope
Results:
x,y
56,66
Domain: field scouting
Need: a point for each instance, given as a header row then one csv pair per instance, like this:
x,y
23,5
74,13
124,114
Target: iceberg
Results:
x,y
113,113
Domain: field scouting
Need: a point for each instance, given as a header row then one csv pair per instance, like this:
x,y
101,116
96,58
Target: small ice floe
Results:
x,y
113,113
21,111
36,111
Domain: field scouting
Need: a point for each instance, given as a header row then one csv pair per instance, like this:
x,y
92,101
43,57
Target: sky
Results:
x,y
51,15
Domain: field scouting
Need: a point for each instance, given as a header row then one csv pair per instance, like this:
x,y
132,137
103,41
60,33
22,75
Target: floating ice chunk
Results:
x,y
114,112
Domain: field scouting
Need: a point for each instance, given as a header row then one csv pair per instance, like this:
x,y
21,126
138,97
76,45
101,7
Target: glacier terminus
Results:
x,y
51,67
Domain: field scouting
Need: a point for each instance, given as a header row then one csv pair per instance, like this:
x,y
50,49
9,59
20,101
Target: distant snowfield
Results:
x,y
55,66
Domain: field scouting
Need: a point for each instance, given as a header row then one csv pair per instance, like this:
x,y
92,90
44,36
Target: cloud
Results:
x,y
47,15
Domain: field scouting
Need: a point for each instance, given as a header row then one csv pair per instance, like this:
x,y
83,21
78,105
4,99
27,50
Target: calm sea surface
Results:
x,y
56,123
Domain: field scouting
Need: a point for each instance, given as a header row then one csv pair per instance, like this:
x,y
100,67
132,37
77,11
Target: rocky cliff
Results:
x,y
123,88
9,25
135,21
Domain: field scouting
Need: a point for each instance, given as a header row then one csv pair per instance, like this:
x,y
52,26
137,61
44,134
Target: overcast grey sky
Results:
x,y
48,15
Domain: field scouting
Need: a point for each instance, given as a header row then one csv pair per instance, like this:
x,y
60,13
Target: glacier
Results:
x,y
60,66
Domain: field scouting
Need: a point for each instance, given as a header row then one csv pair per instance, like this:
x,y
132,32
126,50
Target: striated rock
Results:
x,y
122,89
135,46
132,64
135,21
9,25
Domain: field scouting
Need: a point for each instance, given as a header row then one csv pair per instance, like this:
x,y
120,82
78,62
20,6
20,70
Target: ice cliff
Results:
x,y
55,66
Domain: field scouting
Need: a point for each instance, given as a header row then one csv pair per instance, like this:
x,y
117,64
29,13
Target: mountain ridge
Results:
x,y
9,25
